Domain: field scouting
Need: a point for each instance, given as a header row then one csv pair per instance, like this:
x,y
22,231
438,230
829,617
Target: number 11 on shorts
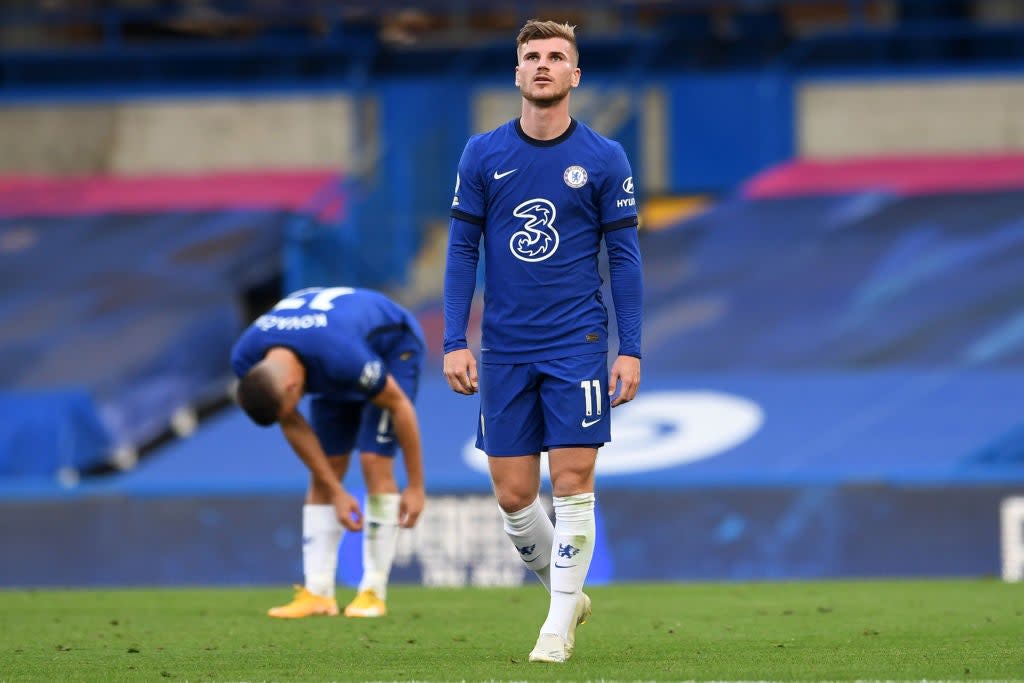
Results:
x,y
591,395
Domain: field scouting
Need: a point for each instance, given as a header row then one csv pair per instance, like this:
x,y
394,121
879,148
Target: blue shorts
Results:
x,y
342,425
533,407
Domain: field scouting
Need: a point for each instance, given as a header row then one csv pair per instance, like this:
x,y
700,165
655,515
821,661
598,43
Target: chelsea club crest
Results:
x,y
575,177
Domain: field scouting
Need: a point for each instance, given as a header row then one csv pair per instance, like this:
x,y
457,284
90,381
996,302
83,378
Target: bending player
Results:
x,y
359,356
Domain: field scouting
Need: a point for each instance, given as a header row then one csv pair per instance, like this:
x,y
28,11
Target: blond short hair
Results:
x,y
535,29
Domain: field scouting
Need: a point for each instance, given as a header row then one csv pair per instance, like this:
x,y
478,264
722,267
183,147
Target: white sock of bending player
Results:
x,y
532,532
571,553
380,536
321,536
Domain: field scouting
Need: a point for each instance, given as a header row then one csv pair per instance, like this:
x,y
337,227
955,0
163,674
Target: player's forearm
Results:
x,y
408,433
413,470
307,447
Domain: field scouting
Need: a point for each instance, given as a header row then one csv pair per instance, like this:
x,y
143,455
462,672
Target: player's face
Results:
x,y
547,70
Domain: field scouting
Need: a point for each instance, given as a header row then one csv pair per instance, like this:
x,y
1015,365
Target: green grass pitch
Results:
x,y
809,631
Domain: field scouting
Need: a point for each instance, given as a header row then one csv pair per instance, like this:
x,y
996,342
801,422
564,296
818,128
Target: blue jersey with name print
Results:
x,y
542,209
342,336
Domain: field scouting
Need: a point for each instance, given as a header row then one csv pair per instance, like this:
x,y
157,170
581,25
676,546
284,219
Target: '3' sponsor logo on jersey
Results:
x,y
537,239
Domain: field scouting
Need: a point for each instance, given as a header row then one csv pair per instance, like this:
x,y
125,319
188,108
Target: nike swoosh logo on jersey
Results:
x,y
384,439
499,176
590,423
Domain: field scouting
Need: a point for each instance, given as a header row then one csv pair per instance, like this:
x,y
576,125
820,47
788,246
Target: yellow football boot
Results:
x,y
305,604
366,604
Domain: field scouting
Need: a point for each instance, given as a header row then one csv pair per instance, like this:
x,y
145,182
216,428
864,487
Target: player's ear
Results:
x,y
291,394
517,75
575,82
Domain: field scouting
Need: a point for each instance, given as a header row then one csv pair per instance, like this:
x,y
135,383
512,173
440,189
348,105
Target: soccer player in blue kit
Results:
x,y
542,191
359,356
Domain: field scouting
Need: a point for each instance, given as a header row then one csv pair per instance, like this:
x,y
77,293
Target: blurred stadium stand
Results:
x,y
122,300
833,349
76,42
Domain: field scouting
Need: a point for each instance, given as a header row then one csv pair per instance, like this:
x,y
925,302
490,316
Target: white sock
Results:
x,y
380,536
321,536
571,553
532,532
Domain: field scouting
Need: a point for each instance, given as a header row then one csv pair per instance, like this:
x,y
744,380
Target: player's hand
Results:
x,y
346,508
460,371
625,369
410,506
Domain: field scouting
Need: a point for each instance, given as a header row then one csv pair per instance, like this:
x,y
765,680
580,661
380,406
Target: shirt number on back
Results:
x,y
323,299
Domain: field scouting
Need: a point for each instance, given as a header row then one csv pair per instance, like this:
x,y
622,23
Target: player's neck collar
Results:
x,y
545,143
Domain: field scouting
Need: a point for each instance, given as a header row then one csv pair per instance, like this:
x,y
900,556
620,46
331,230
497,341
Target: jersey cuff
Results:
x,y
468,217
628,222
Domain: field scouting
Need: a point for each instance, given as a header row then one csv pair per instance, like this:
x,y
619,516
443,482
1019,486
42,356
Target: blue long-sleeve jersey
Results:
x,y
542,208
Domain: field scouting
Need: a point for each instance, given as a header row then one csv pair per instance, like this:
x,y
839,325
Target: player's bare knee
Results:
x,y
381,484
571,483
339,465
514,501
378,473
318,494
